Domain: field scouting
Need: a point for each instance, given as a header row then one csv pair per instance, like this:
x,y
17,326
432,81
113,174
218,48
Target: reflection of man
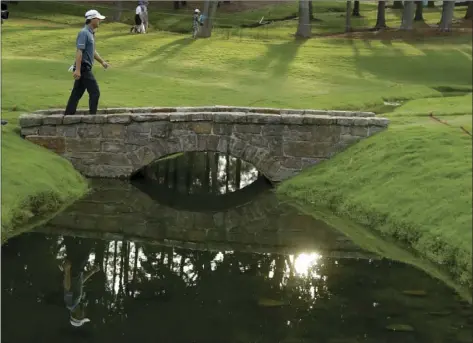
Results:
x,y
75,278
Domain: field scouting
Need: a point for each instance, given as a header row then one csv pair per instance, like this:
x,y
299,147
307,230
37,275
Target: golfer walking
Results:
x,y
82,68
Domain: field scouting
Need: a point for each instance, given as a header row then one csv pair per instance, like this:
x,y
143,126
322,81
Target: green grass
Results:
x,y
412,181
35,183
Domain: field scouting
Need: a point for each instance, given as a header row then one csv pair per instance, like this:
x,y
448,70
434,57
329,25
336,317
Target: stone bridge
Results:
x,y
116,210
118,142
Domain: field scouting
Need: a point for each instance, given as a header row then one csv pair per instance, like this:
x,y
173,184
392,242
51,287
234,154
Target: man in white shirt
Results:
x,y
140,13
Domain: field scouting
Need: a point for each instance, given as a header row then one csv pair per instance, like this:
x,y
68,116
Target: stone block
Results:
x,y
83,145
149,117
297,133
47,130
319,120
308,162
230,118
291,162
163,110
89,131
160,129
292,119
94,119
180,117
55,119
223,145
142,156
257,118
328,133
237,147
264,110
140,128
30,120
203,116
272,130
383,122
207,142
349,139
360,131
202,127
115,131
137,138
222,129
67,130
119,118
72,119
306,149
116,146
275,145
247,128
55,144
188,142
30,131
361,121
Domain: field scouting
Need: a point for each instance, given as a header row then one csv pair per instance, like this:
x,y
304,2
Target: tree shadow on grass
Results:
x,y
278,57
166,51
429,67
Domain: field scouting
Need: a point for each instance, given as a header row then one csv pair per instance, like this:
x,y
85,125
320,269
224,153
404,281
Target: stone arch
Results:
x,y
260,158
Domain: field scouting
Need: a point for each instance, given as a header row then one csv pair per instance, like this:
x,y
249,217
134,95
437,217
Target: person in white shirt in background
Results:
x,y
140,14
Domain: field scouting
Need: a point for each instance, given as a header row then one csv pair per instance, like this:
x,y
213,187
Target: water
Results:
x,y
198,249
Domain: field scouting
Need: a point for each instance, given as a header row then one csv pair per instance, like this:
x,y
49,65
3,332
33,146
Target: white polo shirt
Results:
x,y
138,10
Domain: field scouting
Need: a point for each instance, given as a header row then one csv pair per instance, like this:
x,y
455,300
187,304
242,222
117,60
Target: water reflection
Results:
x,y
156,293
201,173
201,181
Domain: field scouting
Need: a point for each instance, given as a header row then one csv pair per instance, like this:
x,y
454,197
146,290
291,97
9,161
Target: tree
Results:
x,y
431,4
419,11
356,9
398,4
348,17
381,16
447,16
210,7
407,15
311,10
469,11
117,14
304,28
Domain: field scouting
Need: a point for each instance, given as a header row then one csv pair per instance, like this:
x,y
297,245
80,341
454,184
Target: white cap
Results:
x,y
92,14
79,322
196,10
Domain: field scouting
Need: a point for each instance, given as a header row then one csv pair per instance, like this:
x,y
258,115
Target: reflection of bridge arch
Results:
x,y
202,202
117,210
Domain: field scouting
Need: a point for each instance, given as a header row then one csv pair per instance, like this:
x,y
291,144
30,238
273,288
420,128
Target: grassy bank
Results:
x,y
35,183
412,181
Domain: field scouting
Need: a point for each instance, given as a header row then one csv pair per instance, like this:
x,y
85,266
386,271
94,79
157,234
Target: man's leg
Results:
x,y
93,90
76,94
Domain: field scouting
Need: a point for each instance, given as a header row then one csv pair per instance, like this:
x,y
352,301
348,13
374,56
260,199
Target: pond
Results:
x,y
197,248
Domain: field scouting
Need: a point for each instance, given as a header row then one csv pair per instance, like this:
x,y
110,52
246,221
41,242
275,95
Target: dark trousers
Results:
x,y
87,81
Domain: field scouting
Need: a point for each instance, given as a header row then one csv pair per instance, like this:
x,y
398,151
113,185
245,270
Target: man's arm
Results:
x,y
98,58
78,59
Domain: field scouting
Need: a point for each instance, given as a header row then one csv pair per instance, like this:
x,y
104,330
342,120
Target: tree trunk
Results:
x,y
356,9
419,11
447,16
431,4
304,28
381,16
348,17
398,4
407,15
118,11
469,11
238,174
210,7
176,5
311,10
